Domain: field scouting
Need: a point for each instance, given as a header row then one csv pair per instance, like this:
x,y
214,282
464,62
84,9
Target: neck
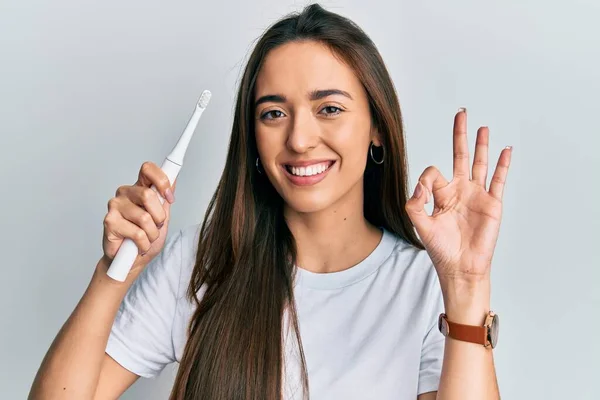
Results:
x,y
333,239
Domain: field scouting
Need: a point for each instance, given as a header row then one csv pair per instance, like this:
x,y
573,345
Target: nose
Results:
x,y
304,132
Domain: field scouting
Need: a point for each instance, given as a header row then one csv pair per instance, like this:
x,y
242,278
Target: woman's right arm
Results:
x,y
76,365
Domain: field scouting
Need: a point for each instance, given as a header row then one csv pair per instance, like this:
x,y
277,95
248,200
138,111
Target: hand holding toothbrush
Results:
x,y
136,213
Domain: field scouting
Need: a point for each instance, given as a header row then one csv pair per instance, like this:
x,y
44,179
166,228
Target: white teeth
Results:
x,y
311,170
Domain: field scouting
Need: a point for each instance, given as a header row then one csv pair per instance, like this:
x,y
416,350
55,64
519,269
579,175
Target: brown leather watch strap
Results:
x,y
467,333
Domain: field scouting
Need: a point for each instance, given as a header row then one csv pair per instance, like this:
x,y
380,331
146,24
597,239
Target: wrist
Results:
x,y
101,278
466,302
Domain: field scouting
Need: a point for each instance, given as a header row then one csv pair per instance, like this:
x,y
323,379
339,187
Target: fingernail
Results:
x,y
508,147
169,196
418,191
462,109
160,225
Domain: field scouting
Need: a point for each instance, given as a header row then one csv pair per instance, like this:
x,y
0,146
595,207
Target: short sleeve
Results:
x,y
432,352
141,336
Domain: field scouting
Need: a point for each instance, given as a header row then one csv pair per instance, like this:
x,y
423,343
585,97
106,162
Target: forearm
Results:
x,y
72,365
468,369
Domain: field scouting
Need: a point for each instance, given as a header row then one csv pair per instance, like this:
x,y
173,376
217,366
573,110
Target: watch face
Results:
x,y
494,329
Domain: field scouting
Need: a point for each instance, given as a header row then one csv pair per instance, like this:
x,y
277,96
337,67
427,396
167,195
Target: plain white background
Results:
x,y
90,90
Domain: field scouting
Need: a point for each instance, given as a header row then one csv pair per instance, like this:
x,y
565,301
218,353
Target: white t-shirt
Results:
x,y
368,332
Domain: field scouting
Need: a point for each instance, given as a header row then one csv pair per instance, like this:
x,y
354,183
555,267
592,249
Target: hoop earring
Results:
x,y
373,158
258,166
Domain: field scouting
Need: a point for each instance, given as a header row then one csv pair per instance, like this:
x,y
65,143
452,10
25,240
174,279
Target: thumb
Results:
x,y
415,207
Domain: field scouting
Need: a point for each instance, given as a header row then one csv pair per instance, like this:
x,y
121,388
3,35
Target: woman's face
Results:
x,y
313,126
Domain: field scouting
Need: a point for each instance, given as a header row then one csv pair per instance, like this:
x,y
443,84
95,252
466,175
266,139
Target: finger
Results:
x,y
116,226
432,180
151,174
480,160
415,207
460,144
131,212
500,174
146,198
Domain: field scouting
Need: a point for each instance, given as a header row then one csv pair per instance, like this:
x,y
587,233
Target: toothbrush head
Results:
x,y
204,99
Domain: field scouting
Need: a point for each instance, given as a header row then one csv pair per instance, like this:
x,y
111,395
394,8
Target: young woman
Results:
x,y
307,277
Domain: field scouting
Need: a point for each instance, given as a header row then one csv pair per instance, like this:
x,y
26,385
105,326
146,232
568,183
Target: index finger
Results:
x,y
151,174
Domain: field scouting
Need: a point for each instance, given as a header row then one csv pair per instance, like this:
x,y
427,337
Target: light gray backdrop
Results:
x,y
90,90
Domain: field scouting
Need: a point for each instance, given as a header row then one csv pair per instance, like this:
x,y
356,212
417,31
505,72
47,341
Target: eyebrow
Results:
x,y
314,95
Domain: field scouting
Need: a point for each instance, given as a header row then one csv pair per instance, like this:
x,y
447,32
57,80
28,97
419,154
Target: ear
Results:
x,y
376,137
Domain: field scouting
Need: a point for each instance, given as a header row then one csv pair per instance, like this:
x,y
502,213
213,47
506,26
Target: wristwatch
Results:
x,y
486,335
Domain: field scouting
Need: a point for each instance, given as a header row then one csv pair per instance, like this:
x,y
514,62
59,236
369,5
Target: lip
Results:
x,y
306,180
307,163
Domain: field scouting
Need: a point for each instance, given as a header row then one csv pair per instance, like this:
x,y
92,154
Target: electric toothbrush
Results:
x,y
128,252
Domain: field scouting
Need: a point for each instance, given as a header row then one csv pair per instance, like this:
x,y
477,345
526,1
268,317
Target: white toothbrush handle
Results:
x,y
128,251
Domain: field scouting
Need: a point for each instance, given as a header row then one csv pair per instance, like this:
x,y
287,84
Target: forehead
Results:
x,y
299,67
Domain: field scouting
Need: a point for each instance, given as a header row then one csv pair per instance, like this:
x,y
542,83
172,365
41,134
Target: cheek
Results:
x,y
351,141
267,144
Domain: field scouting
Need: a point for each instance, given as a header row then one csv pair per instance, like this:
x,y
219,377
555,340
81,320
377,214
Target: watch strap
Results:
x,y
467,333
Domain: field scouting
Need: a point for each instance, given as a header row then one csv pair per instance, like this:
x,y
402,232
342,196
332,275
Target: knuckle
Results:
x,y
112,203
147,195
429,173
139,235
109,220
120,191
430,169
146,218
146,167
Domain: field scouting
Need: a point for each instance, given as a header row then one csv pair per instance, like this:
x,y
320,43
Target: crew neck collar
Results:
x,y
347,277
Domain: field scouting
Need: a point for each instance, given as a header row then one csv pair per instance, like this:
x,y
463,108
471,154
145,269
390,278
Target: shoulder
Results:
x,y
166,274
409,257
413,269
188,238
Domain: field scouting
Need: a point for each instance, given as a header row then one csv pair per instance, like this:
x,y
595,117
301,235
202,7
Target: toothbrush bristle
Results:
x,y
204,99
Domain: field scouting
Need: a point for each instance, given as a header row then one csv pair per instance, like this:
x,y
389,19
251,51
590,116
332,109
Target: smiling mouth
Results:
x,y
310,170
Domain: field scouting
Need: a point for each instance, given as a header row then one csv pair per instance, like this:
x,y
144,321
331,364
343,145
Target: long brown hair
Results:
x,y
246,253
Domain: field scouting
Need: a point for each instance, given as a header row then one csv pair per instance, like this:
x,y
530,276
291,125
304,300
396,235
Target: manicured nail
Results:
x,y
169,196
508,147
418,191
462,109
160,225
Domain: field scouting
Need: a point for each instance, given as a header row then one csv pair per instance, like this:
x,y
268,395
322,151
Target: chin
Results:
x,y
308,202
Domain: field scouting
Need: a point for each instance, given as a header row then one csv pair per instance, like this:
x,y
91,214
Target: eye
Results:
x,y
273,114
332,110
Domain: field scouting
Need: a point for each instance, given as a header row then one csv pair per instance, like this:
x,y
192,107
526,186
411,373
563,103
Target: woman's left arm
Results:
x,y
460,237
468,369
